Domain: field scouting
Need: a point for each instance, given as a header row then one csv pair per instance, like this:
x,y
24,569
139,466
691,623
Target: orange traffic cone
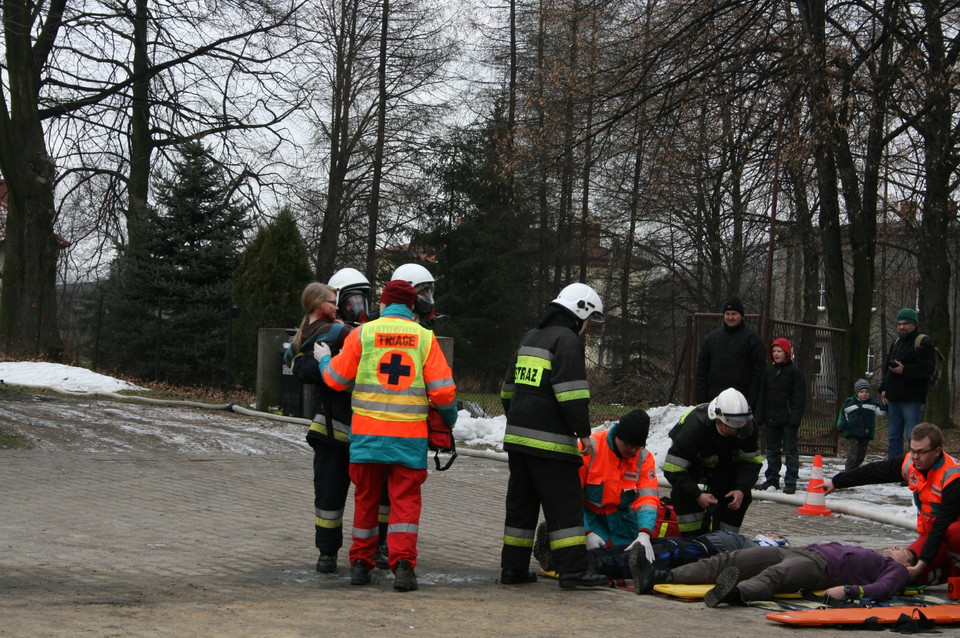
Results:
x,y
816,503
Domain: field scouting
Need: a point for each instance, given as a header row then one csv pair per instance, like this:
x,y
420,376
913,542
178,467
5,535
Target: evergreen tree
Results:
x,y
171,298
483,249
272,273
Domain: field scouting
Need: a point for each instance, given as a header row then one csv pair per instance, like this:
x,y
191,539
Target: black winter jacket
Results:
x,y
326,400
545,394
918,365
730,358
698,451
783,395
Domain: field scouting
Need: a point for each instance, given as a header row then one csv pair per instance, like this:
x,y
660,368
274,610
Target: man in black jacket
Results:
x,y
731,356
546,400
904,387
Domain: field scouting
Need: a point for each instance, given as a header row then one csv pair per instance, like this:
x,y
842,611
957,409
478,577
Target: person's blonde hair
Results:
x,y
312,296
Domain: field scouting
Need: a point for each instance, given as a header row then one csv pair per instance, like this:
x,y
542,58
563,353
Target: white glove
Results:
x,y
594,541
320,350
644,539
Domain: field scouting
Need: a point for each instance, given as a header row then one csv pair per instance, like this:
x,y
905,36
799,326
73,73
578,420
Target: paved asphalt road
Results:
x,y
109,528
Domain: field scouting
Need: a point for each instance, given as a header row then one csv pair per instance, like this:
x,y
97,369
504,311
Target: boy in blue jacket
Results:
x,y
857,422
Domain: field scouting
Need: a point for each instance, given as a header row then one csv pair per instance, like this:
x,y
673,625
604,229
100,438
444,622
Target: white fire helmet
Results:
x,y
581,300
423,282
352,294
730,407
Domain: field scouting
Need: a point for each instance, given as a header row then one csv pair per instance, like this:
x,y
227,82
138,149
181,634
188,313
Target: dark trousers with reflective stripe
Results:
x,y
331,481
555,485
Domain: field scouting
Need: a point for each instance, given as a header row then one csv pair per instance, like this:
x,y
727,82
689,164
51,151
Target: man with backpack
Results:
x,y
910,362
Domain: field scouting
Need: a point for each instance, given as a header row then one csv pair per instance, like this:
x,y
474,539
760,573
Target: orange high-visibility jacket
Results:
x,y
398,369
620,494
928,490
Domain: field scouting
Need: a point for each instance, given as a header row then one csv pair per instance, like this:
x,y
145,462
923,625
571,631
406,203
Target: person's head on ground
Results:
x,y
630,433
926,443
780,350
862,390
770,539
730,411
398,292
901,555
732,312
352,294
907,321
423,282
583,302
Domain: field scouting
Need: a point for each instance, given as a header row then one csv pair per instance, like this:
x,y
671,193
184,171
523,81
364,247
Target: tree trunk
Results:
x,y
373,204
932,262
28,304
340,152
141,143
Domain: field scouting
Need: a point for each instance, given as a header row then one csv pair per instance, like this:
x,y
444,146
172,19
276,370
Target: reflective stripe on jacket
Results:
x,y
697,449
399,368
545,395
326,399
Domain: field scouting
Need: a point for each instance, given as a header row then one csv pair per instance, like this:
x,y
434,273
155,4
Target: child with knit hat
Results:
x,y
783,395
857,422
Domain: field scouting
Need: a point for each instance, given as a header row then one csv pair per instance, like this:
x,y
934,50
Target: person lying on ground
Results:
x,y
758,573
672,551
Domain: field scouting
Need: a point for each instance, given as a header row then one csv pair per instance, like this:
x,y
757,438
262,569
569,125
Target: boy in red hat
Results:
x,y
783,394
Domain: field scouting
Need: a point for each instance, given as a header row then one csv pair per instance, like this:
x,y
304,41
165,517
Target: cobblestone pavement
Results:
x,y
171,543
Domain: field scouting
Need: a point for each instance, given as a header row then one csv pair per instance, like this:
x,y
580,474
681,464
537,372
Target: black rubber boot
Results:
x,y
327,563
586,578
517,576
404,578
359,574
725,591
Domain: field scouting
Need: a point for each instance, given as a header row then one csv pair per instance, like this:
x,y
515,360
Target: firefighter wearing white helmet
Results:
x,y
353,290
329,433
582,301
546,399
425,285
712,464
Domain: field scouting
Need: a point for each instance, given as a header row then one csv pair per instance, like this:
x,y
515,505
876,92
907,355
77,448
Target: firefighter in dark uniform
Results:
x,y
714,445
546,400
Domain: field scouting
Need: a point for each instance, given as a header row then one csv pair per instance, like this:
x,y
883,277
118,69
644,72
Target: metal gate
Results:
x,y
817,350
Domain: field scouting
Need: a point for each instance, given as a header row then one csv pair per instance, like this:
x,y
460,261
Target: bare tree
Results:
x,y
70,70
929,106
377,97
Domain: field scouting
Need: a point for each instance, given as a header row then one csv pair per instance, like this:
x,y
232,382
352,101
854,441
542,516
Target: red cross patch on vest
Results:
x,y
395,370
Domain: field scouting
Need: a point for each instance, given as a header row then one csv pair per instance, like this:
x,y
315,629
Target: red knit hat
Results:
x,y
399,291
